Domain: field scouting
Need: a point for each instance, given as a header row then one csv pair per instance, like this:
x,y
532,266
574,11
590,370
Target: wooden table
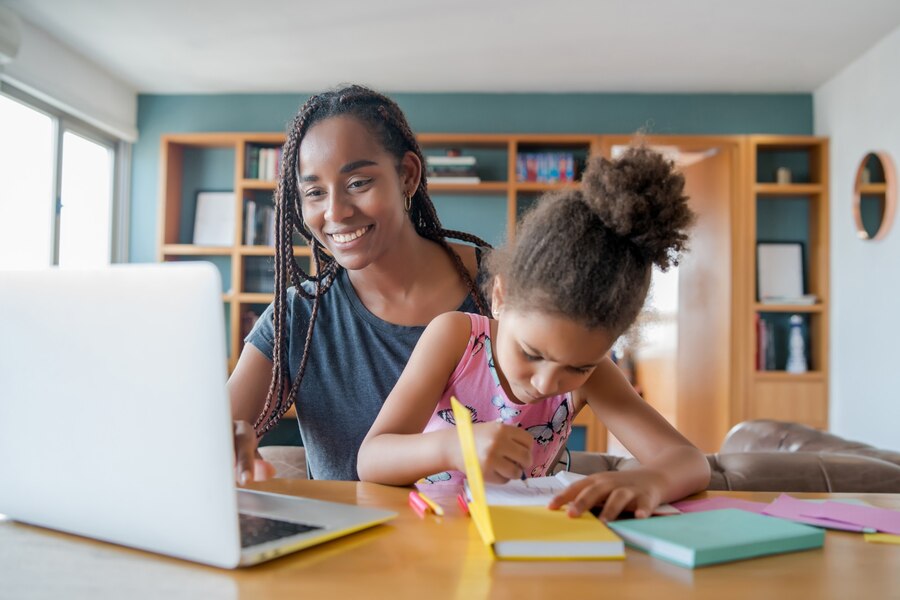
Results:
x,y
433,558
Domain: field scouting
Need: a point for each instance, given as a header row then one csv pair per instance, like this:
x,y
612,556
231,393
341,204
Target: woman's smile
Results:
x,y
344,238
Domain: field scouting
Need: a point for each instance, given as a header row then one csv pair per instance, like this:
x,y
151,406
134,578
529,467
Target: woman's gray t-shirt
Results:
x,y
355,359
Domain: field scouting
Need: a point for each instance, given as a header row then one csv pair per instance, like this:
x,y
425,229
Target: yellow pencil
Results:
x,y
438,510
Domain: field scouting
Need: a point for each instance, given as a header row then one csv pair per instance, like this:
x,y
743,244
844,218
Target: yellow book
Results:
x,y
530,532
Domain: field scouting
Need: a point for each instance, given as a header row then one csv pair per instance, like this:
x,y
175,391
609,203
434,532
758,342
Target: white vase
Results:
x,y
796,362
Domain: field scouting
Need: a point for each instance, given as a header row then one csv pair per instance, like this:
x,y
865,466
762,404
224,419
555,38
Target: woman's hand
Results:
x,y
638,490
249,465
504,452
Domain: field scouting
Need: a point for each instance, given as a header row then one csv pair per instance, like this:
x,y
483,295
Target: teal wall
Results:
x,y
489,113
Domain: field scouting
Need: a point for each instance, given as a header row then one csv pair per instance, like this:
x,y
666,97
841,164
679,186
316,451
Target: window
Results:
x,y
26,186
57,188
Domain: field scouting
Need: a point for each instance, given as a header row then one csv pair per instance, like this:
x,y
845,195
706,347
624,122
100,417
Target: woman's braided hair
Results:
x,y
383,117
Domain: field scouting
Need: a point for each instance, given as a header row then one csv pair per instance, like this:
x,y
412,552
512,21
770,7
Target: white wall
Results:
x,y
859,109
58,75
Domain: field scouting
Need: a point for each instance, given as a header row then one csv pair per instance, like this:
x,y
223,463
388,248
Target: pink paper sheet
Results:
x,y
718,502
788,507
880,519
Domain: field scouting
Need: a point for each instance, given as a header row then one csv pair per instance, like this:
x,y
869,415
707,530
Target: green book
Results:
x,y
716,536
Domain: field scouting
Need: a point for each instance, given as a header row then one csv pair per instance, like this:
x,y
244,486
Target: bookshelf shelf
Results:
x,y
257,184
789,189
191,250
788,308
527,186
784,376
470,188
254,298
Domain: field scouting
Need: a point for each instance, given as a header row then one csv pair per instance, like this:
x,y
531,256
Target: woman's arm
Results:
x,y
396,452
248,387
671,467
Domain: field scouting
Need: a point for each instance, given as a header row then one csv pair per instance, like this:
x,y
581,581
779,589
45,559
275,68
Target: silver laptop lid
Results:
x,y
114,418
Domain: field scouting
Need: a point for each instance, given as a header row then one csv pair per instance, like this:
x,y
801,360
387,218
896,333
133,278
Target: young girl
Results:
x,y
574,280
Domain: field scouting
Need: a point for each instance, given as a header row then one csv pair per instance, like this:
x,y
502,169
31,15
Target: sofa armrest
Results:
x,y
765,435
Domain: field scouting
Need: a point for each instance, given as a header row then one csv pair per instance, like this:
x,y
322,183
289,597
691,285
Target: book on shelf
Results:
x,y
705,538
259,224
263,163
250,223
268,225
214,219
452,179
450,161
545,167
451,169
765,344
802,300
520,532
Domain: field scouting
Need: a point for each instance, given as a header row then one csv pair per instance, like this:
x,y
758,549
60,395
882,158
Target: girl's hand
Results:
x,y
639,490
248,464
504,452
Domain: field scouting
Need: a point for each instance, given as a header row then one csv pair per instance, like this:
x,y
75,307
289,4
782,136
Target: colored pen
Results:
x,y
434,506
523,477
417,504
462,504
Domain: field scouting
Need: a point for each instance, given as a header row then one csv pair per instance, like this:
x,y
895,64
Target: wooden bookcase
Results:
x,y
194,162
727,387
803,202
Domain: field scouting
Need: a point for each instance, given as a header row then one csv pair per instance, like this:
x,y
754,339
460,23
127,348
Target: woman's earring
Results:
x,y
496,312
407,204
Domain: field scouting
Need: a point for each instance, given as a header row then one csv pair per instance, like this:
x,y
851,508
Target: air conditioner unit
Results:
x,y
10,35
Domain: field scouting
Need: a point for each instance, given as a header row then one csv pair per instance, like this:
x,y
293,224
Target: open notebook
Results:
x,y
538,491
529,532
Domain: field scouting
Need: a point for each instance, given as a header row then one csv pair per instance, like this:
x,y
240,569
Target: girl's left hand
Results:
x,y
639,490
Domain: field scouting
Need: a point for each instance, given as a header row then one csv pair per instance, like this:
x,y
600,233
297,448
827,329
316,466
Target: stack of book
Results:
x,y
259,224
263,163
451,169
765,344
545,167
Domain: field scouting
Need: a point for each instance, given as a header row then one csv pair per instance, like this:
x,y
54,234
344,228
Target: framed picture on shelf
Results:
x,y
214,219
780,272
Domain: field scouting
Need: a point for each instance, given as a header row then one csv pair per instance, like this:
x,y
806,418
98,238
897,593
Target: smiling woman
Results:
x,y
334,341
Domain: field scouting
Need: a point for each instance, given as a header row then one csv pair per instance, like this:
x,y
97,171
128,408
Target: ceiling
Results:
x,y
220,46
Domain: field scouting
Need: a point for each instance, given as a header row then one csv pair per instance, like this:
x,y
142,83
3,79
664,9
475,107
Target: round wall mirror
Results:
x,y
874,196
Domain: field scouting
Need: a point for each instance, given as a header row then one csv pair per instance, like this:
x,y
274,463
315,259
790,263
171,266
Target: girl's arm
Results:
x,y
671,467
396,452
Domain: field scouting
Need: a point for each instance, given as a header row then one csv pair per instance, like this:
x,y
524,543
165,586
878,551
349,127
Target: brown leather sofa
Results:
x,y
755,456
776,456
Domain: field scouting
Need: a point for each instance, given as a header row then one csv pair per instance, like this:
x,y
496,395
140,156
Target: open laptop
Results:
x,y
115,422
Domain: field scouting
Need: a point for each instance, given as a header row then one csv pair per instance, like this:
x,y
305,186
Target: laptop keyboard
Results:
x,y
259,530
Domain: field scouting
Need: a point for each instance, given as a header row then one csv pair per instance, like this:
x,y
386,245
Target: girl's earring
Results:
x,y
407,204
